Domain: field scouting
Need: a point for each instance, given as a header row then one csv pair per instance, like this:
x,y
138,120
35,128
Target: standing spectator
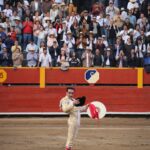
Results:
x,y
62,58
132,59
132,18
7,11
108,58
45,59
32,45
2,34
140,50
36,31
72,5
50,39
36,6
121,60
54,12
18,29
17,58
54,51
5,58
41,36
2,45
87,58
98,59
70,41
32,58
111,9
27,31
9,43
95,27
15,47
46,5
1,5
81,43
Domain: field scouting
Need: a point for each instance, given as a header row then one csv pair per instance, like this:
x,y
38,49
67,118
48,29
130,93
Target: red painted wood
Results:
x,y
107,76
34,99
22,75
146,78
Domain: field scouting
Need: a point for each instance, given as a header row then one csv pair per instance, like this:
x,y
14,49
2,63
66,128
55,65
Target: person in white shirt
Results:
x,y
54,12
7,11
45,59
132,4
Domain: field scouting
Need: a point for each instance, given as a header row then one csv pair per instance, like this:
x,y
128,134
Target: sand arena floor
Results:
x,y
50,134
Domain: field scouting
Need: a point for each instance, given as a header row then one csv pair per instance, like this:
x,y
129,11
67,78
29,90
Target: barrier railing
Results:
x,y
105,76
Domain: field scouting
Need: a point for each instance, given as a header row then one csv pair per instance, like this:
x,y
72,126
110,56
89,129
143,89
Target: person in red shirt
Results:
x,y
27,31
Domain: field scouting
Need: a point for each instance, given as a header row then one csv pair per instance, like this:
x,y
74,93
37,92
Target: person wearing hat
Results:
x,y
50,39
111,9
68,105
87,57
32,57
70,41
54,12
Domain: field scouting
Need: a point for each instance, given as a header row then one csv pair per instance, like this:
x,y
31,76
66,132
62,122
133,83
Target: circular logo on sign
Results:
x,y
3,75
91,76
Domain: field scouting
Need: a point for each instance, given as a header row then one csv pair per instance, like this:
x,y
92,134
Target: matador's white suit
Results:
x,y
67,106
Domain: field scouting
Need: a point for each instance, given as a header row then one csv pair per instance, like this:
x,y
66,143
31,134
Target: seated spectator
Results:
x,y
98,59
45,59
108,58
74,61
15,46
32,58
100,45
54,51
87,58
17,58
5,58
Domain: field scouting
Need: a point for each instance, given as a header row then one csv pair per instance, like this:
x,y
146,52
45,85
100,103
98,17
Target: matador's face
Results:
x,y
70,93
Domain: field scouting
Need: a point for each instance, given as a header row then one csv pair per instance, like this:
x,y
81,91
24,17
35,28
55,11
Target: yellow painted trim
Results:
x,y
140,77
42,77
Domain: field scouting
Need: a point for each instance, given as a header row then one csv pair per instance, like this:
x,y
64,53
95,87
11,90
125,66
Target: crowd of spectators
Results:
x,y
88,33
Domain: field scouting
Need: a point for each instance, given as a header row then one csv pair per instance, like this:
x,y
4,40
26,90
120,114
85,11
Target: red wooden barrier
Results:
x,y
34,99
107,76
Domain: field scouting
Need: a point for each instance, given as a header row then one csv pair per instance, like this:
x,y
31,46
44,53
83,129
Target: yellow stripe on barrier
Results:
x,y
42,77
140,78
